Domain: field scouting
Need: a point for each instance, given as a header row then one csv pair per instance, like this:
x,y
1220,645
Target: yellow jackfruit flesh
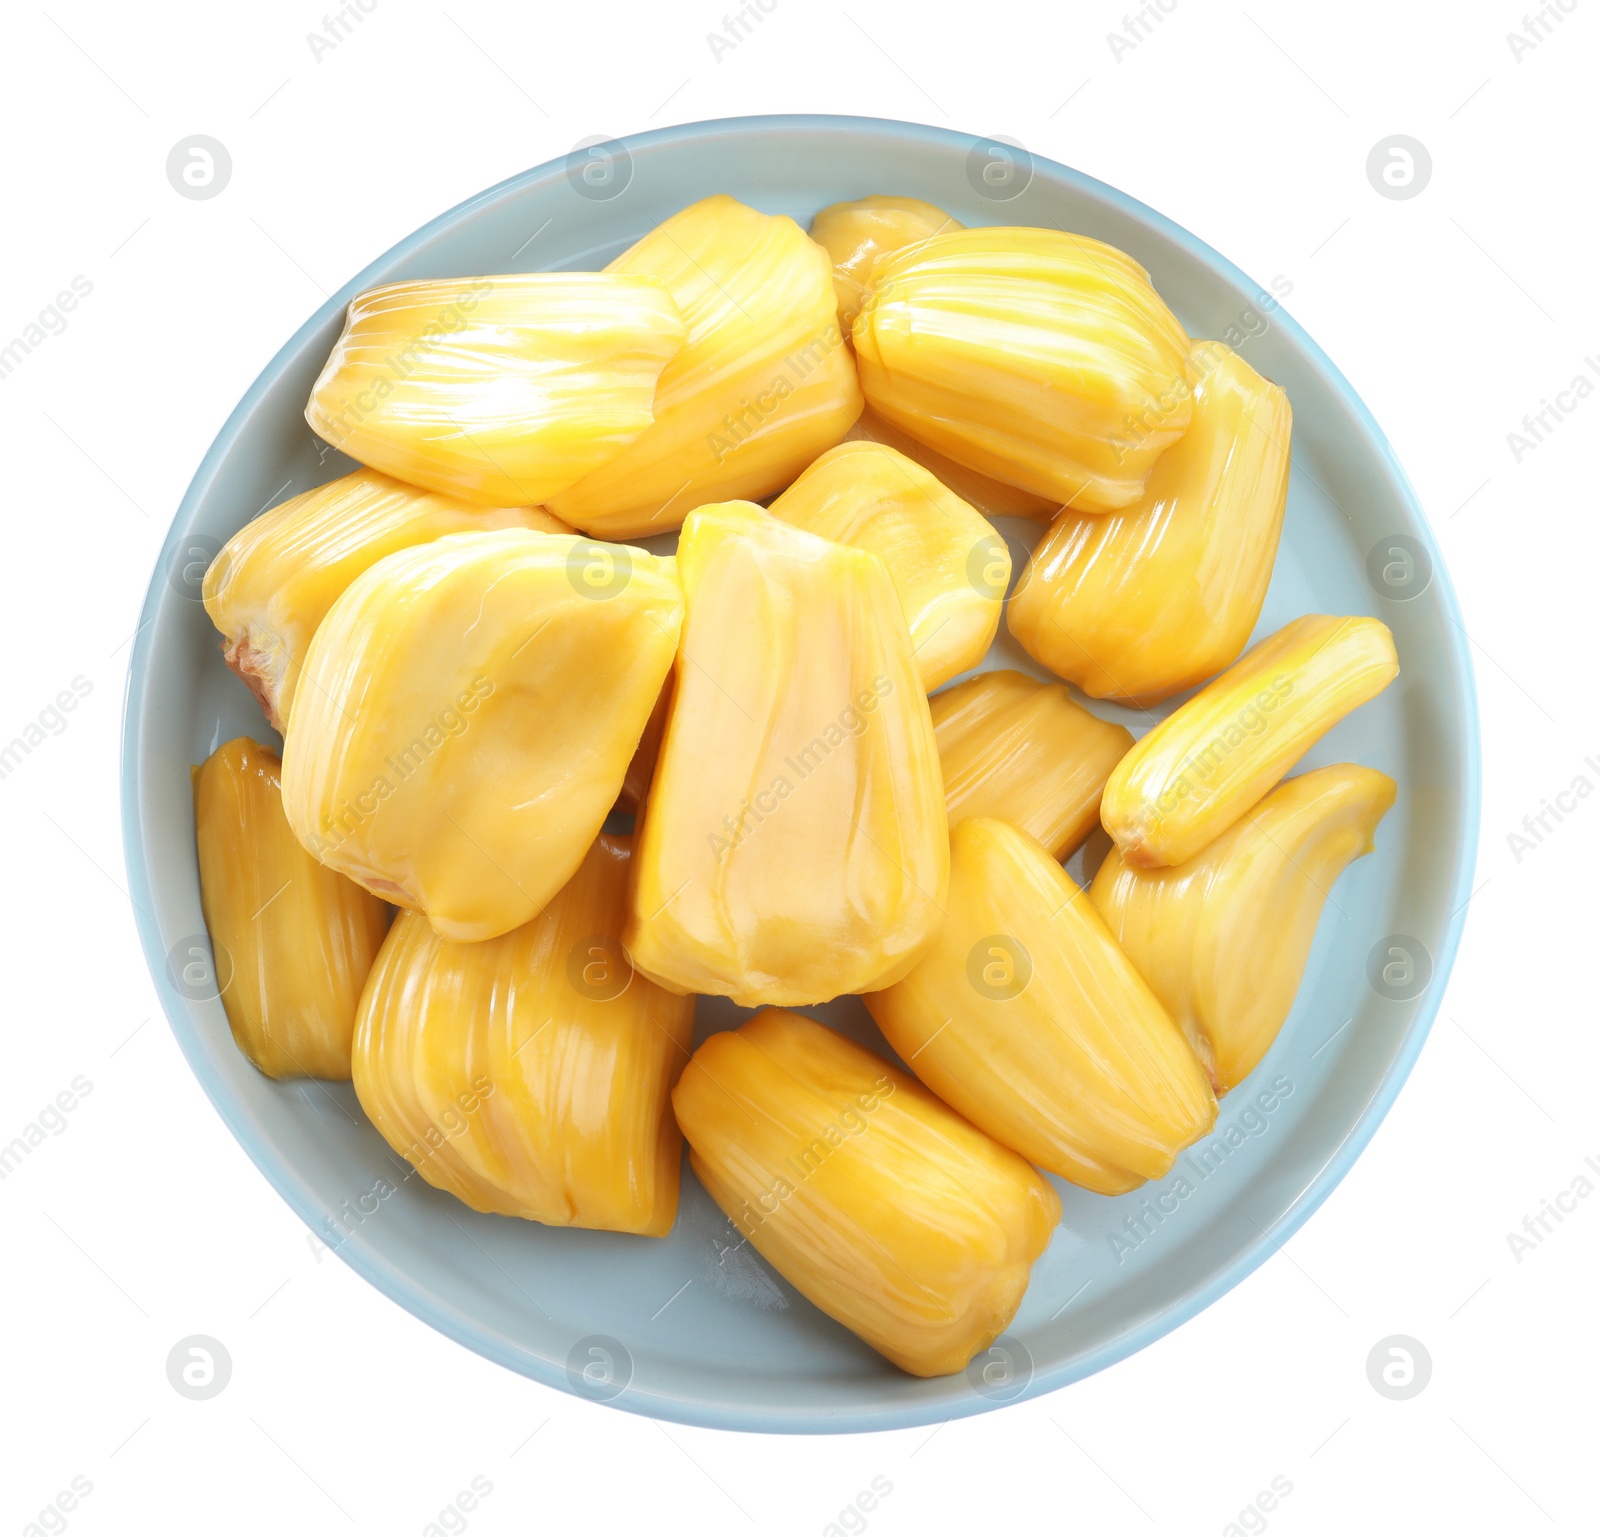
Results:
x,y
1027,753
466,716
992,498
764,384
793,845
948,565
1042,359
292,941
1142,603
855,234
498,390
1223,938
1196,773
881,1205
273,583
642,766
1026,1017
529,1075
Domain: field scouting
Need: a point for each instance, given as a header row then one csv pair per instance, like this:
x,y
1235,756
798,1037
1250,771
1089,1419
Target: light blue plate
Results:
x,y
694,1327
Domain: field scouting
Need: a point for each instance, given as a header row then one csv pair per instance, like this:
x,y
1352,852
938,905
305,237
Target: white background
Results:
x,y
1453,313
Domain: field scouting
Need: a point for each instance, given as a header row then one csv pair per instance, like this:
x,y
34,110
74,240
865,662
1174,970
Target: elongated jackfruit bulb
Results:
x,y
948,565
993,498
1223,938
292,941
882,1206
497,390
1142,603
467,713
273,583
855,234
1026,1017
793,846
1027,753
1196,773
763,386
529,1075
1041,359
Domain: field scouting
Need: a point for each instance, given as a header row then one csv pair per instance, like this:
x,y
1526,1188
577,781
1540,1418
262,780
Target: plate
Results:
x,y
695,1327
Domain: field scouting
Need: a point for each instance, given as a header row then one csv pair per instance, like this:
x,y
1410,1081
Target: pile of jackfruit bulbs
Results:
x,y
476,675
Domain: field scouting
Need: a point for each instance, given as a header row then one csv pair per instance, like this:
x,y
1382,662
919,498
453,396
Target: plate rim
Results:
x,y
422,1303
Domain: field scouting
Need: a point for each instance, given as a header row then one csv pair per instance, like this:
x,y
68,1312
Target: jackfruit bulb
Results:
x,y
466,717
764,384
793,846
